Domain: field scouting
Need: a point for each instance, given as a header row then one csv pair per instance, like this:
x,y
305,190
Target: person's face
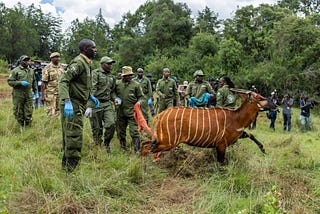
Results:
x,y
91,50
106,66
127,78
199,78
25,63
221,83
166,74
55,60
140,74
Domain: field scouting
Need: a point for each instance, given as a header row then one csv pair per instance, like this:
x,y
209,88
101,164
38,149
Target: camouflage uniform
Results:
x,y
145,85
166,87
225,97
50,77
103,117
74,84
197,89
130,93
22,95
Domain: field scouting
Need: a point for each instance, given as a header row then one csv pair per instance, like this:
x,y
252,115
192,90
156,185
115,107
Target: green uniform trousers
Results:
x,y
164,104
22,106
122,123
72,130
103,120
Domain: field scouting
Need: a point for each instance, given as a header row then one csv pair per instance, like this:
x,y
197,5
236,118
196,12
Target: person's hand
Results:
x,y
95,100
117,101
68,109
37,96
24,83
88,112
150,101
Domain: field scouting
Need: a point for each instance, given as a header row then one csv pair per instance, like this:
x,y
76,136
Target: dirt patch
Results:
x,y
189,162
169,194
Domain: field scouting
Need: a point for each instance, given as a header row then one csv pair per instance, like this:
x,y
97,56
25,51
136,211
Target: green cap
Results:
x,y
198,73
107,59
23,57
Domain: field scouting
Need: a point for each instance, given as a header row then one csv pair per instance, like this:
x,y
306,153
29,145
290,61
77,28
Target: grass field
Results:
x,y
186,180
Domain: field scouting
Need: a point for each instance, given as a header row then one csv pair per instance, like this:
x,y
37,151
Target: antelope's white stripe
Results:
x,y
175,127
205,142
197,124
181,124
189,124
218,127
167,126
200,138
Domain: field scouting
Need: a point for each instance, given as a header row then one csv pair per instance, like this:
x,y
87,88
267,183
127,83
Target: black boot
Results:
x,y
123,145
136,143
107,145
71,164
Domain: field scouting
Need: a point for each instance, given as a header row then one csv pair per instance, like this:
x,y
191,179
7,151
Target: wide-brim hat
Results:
x,y
54,54
127,70
107,59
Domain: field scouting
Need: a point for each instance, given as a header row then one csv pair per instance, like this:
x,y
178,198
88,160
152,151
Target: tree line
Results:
x,y
269,46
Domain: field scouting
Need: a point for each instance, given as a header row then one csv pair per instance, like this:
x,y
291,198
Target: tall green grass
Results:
x,y
185,180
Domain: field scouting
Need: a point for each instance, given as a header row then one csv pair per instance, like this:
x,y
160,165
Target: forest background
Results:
x,y
269,46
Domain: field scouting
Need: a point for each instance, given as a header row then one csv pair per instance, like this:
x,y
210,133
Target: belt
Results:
x,y
103,101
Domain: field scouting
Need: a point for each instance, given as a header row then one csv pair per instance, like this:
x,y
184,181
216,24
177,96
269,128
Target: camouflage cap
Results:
x,y
54,54
23,58
107,59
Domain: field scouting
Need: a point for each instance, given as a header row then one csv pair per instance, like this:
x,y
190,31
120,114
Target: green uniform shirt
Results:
x,y
167,87
129,93
103,85
76,83
196,89
23,74
145,85
225,98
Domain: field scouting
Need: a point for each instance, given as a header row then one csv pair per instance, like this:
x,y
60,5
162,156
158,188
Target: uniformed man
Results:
x,y
167,91
49,86
225,97
145,85
74,91
198,87
103,88
23,81
128,94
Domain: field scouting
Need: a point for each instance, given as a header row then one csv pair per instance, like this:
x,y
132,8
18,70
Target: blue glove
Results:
x,y
24,83
149,101
37,95
118,101
95,100
68,109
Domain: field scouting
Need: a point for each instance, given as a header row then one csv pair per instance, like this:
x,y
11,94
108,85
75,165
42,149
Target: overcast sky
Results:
x,y
112,10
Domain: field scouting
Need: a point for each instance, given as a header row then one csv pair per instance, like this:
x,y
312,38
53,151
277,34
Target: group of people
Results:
x,y
287,103
109,101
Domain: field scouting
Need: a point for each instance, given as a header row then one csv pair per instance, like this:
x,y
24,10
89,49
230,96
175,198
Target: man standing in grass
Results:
x,y
74,91
167,91
49,86
145,85
102,119
128,94
23,81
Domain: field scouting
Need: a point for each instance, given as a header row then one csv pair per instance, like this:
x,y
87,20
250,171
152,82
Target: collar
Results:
x,y
86,58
